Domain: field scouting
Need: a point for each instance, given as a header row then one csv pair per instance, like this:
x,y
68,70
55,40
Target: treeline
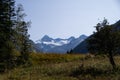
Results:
x,y
14,38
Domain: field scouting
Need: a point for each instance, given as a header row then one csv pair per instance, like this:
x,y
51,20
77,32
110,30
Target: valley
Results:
x,y
65,67
59,40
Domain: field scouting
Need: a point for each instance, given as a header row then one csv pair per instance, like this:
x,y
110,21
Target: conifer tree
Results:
x,y
7,18
22,35
106,40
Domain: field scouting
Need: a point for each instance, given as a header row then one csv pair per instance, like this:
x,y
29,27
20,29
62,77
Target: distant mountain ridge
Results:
x,y
58,45
56,42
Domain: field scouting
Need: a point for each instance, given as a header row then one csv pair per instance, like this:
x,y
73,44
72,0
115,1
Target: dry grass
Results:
x,y
65,67
54,58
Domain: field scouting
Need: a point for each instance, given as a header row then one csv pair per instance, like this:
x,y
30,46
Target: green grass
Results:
x,y
65,67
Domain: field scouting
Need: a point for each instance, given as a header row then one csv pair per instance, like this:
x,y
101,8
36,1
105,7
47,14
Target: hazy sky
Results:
x,y
65,18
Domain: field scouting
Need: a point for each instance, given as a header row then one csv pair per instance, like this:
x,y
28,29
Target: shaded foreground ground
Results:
x,y
65,67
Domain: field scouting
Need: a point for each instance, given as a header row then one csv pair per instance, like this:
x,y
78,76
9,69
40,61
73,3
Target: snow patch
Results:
x,y
59,43
52,43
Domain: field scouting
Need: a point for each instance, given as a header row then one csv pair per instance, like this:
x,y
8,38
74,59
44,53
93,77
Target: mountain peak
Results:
x,y
46,38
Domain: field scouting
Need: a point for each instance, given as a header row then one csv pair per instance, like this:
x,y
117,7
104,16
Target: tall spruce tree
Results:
x,y
23,41
7,17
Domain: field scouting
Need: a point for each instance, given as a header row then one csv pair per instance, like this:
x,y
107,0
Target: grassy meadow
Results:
x,y
65,67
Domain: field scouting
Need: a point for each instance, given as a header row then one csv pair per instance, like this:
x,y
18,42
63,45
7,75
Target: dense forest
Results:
x,y
14,37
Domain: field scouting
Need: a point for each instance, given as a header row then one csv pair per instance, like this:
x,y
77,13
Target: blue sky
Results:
x,y
65,18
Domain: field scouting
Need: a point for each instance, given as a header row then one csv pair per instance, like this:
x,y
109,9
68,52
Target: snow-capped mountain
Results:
x,y
58,45
56,42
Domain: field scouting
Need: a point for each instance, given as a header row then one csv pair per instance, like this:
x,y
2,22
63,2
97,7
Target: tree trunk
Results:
x,y
112,61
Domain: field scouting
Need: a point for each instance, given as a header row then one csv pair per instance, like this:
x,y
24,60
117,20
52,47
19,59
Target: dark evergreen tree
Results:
x,y
70,52
13,35
7,18
106,40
